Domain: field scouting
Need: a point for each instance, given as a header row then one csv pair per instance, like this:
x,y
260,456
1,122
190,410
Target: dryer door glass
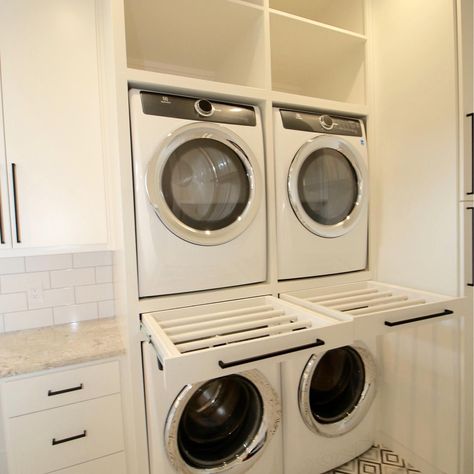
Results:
x,y
219,421
337,385
327,186
205,184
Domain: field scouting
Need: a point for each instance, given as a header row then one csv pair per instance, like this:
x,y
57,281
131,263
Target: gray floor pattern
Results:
x,y
377,460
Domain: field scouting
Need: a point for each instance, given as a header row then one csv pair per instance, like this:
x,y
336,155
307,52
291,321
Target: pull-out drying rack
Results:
x,y
376,307
202,342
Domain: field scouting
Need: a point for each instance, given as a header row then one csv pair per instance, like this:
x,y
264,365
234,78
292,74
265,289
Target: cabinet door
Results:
x,y
5,234
52,120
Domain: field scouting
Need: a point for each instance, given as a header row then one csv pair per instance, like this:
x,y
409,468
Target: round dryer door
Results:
x,y
222,423
327,186
337,389
204,184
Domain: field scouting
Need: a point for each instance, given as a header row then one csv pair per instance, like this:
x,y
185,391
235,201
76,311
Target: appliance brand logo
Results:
x,y
165,100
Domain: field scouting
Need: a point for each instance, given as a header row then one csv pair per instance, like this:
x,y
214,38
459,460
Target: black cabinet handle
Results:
x,y
2,230
15,204
471,192
472,246
52,393
225,365
420,318
55,441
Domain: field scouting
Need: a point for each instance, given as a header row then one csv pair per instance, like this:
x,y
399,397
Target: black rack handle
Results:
x,y
55,441
446,312
52,393
226,365
15,204
471,192
472,246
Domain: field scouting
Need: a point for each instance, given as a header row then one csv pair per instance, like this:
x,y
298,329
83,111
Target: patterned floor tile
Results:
x,y
377,460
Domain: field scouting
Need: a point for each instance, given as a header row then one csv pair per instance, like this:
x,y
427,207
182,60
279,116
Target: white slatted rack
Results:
x,y
196,342
373,303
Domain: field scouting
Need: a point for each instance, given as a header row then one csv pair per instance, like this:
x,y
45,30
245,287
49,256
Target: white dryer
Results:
x,y
321,194
199,193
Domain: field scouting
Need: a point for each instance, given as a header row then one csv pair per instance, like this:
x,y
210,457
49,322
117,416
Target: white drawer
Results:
x,y
114,464
60,388
44,441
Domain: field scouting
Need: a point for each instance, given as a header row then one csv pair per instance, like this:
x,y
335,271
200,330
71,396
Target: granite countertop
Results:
x,y
32,350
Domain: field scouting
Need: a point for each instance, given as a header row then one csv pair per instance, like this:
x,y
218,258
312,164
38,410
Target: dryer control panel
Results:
x,y
321,123
197,109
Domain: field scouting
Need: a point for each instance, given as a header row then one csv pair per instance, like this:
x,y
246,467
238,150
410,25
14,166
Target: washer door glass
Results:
x,y
327,186
219,421
337,388
336,385
204,184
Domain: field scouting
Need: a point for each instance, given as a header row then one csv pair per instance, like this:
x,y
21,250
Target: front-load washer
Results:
x,y
329,411
199,193
321,171
213,382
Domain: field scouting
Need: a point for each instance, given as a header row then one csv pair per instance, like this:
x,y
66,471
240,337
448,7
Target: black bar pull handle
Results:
x,y
420,318
52,393
15,204
471,192
472,246
2,230
55,441
226,365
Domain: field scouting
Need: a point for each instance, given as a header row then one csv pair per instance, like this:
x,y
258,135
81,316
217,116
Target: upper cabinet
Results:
x,y
294,50
52,163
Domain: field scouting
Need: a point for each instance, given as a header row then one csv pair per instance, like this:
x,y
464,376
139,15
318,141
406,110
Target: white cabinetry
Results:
x,y
51,164
67,420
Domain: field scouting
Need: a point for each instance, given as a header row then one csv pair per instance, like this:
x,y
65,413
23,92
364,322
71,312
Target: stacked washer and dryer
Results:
x,y
227,384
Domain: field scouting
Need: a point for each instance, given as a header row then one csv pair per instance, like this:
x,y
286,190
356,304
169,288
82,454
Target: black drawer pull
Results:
x,y
225,365
52,393
472,245
471,192
420,318
55,441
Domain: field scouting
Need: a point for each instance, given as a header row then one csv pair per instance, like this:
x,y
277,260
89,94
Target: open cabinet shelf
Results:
x,y
345,14
313,60
198,44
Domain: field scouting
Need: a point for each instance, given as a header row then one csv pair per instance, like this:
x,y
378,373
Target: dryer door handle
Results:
x,y
446,312
226,365
472,245
471,192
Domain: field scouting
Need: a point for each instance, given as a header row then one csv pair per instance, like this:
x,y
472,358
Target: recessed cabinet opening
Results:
x,y
217,40
345,14
316,61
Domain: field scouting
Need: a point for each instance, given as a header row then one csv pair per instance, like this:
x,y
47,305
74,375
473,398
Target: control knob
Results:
x,y
326,122
204,107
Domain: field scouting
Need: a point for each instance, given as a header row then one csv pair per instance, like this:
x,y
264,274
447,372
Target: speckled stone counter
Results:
x,y
22,352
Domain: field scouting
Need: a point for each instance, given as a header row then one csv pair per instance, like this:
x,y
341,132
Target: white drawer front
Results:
x,y
114,464
30,437
60,388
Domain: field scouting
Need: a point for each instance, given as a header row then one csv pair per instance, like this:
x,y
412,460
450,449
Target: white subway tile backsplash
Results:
x,y
50,298
103,274
13,302
28,319
86,294
43,290
77,312
106,309
24,282
73,277
12,265
40,263
92,259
